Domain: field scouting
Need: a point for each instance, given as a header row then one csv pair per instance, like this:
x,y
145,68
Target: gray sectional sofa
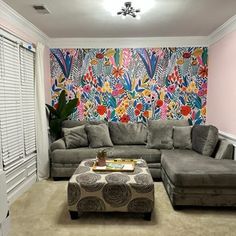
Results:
x,y
195,170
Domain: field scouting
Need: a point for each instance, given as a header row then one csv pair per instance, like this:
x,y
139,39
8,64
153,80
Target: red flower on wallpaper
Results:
x,y
139,106
146,114
118,72
125,118
137,112
185,110
99,55
187,55
203,71
101,109
159,103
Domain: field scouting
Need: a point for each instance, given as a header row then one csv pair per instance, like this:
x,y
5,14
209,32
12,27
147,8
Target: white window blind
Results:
x,y
28,99
11,125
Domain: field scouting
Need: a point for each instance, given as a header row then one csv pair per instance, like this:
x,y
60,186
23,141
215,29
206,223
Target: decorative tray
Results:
x,y
115,165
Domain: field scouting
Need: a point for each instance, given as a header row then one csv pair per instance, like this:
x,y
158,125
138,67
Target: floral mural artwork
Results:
x,y
129,85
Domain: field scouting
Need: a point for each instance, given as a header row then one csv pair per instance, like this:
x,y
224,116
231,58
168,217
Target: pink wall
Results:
x,y
221,103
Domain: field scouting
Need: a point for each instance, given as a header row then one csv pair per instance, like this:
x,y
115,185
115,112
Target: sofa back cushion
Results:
x,y
74,123
204,139
98,136
75,137
160,133
128,133
182,137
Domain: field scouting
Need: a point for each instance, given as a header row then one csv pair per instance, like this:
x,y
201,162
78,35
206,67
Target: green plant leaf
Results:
x,y
69,108
61,101
52,110
55,127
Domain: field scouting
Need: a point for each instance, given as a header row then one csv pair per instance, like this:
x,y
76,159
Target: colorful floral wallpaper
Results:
x,y
130,85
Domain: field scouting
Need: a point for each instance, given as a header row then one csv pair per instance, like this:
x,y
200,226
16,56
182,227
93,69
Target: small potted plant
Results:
x,y
101,158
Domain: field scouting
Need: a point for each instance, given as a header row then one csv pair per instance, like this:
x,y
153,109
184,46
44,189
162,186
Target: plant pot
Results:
x,y
101,161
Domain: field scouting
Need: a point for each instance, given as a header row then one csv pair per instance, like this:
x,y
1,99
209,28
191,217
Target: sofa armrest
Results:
x,y
224,150
58,144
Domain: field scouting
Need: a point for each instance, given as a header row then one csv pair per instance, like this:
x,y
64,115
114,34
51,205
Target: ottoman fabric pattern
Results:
x,y
90,191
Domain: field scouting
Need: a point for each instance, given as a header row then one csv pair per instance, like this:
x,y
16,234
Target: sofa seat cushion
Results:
x,y
187,168
135,151
73,156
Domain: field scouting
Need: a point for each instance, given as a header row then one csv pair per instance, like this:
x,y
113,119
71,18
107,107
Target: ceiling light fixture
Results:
x,y
113,5
128,10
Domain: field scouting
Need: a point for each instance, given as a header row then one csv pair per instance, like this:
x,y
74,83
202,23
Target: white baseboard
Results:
x,y
22,188
231,138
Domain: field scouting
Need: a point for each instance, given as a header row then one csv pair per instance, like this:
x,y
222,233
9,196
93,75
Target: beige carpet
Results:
x,y
42,211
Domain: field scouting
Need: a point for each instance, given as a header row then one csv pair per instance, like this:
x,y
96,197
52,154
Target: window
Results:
x,y
17,114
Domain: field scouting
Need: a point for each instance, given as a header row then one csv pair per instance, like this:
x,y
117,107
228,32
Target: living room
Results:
x,y
117,117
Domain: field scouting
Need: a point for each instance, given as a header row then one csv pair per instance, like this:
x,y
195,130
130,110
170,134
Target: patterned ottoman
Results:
x,y
90,191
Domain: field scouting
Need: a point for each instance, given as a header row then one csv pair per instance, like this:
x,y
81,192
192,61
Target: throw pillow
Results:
x,y
75,137
131,133
204,139
98,136
75,123
160,133
182,137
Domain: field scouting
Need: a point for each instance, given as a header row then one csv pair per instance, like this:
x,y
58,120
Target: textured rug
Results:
x,y
42,211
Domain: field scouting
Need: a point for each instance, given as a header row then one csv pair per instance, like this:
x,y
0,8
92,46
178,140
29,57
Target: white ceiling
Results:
x,y
89,18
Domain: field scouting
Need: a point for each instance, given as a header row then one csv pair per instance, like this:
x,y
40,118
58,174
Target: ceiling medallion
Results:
x,y
129,10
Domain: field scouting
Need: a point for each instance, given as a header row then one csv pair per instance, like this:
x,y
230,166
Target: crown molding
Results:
x,y
8,14
127,42
226,28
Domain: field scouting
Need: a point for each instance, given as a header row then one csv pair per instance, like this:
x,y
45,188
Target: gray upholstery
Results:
x,y
75,137
131,133
160,133
182,137
98,136
204,139
198,196
135,151
187,168
58,144
224,149
74,123
75,156
192,179
65,161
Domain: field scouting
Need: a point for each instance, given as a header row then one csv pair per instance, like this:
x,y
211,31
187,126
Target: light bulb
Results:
x,y
138,17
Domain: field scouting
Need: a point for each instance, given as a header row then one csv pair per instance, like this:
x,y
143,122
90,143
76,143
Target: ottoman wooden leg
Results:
x,y
74,215
148,216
